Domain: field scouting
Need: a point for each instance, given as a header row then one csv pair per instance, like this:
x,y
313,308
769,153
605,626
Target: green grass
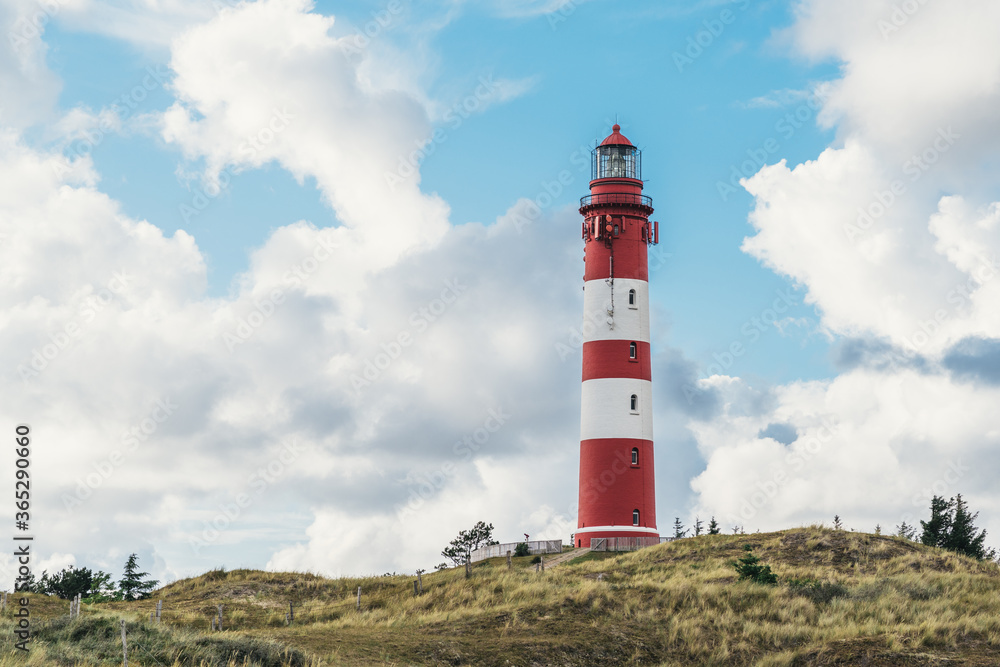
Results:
x,y
842,598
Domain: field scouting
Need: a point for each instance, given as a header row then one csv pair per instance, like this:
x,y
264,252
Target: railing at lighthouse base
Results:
x,y
625,543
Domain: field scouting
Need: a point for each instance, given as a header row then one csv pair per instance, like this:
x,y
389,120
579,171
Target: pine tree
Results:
x,y
963,535
698,523
713,527
906,531
837,524
936,530
749,567
679,531
134,585
878,529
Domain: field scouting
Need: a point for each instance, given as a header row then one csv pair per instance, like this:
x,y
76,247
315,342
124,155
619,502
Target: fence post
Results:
x,y
159,610
468,568
124,646
291,612
542,562
509,565
420,580
220,617
359,598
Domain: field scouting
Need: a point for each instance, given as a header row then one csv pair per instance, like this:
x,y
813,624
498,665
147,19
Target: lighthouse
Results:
x,y
617,489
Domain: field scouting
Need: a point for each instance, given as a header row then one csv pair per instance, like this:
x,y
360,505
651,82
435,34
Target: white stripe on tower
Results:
x,y
630,323
607,412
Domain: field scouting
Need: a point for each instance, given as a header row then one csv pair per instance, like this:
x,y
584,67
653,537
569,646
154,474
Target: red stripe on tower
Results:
x,y
617,485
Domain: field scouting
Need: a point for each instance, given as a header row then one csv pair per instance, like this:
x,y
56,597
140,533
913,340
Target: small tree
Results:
x,y
522,549
70,582
679,531
837,524
698,524
459,551
936,530
134,585
749,567
713,527
964,537
906,531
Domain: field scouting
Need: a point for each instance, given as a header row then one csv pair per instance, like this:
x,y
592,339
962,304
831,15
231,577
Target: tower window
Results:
x,y
631,298
635,456
631,350
634,403
635,517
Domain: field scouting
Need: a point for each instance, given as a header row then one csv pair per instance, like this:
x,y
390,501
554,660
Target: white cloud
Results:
x,y
893,234
28,90
164,409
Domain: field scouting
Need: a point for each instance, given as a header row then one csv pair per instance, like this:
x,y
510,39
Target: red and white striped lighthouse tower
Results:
x,y
617,491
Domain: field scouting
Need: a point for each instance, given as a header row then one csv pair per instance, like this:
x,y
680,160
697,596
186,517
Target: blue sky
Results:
x,y
262,306
695,122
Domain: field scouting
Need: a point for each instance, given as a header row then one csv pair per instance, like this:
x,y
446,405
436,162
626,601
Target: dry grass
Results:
x,y
859,599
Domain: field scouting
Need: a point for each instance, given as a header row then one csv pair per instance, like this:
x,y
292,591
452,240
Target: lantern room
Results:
x,y
616,157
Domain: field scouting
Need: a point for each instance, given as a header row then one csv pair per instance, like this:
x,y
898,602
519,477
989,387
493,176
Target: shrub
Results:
x,y
749,567
522,549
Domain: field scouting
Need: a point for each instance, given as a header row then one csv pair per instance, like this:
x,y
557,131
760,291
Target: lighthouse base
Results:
x,y
612,538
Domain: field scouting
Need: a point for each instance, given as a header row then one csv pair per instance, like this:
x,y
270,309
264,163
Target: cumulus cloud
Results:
x,y
28,89
391,354
893,233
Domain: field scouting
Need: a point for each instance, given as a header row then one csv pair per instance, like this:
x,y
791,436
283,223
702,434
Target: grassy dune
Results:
x,y
843,599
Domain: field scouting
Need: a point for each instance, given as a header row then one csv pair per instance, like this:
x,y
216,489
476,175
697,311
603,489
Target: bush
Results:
x,y
749,567
522,549
536,560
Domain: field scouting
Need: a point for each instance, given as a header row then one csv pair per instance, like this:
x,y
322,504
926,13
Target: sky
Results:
x,y
296,285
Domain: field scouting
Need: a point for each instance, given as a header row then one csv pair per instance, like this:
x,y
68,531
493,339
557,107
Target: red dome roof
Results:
x,y
616,138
